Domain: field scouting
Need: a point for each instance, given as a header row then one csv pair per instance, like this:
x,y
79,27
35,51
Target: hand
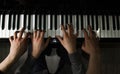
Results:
x,y
38,44
91,44
18,44
69,39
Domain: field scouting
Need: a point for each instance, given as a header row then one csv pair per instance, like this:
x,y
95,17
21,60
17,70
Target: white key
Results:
x,y
10,32
74,22
33,21
49,31
84,21
42,22
94,17
68,19
64,20
119,27
27,16
99,26
58,31
53,27
38,22
21,21
80,31
101,35
106,32
1,18
90,18
6,31
46,23
111,26
116,31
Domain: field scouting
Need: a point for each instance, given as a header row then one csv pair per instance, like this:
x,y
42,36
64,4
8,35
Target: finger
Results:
x,y
63,30
31,35
11,39
85,34
47,42
38,33
71,28
26,36
35,34
42,34
77,34
90,31
60,39
15,34
68,29
83,45
21,33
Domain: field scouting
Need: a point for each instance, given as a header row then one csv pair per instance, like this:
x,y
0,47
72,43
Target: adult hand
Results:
x,y
69,39
91,43
18,44
38,43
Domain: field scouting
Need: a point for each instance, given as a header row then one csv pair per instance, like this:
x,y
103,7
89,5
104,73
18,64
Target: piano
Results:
x,y
106,22
102,15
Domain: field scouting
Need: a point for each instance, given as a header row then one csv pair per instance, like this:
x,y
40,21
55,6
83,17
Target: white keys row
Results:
x,y
5,33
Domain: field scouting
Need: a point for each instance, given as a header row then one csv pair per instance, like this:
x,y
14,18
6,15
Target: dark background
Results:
x,y
70,5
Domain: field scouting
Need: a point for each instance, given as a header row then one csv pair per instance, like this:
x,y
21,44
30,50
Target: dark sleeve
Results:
x,y
27,66
76,63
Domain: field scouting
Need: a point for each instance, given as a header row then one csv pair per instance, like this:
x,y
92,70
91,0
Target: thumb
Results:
x,y
47,42
83,46
60,39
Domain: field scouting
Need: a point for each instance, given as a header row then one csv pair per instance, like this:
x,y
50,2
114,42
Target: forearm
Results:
x,y
94,66
27,66
76,63
7,63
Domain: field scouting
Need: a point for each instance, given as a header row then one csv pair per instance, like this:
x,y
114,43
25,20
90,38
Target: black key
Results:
x,y
114,27
96,22
14,17
55,22
3,22
40,21
24,25
36,21
88,20
103,23
10,24
18,22
29,21
77,22
82,22
92,22
70,19
44,22
62,20
107,22
118,23
51,23
66,20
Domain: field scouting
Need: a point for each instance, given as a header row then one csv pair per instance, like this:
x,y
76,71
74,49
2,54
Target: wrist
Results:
x,y
12,58
71,51
36,55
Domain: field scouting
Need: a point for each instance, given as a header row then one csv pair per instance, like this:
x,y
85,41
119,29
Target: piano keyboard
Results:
x,y
106,26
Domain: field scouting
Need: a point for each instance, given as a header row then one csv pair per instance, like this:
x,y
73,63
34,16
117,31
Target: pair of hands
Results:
x,y
90,45
19,43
